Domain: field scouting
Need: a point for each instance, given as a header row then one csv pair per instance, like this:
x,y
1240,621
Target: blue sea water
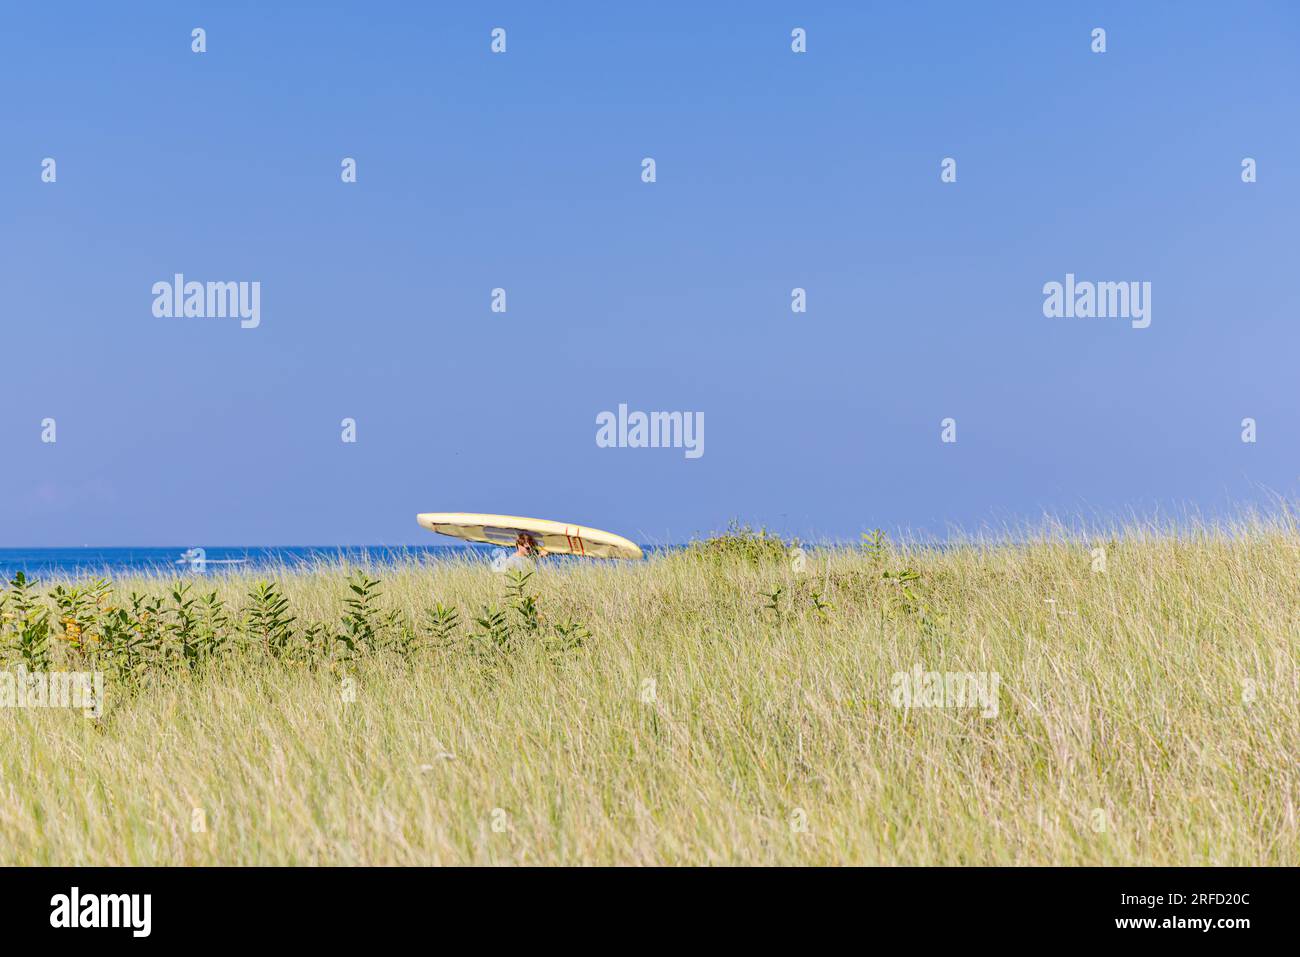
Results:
x,y
87,562
45,563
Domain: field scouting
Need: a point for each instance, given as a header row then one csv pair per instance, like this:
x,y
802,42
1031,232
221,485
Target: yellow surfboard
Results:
x,y
537,534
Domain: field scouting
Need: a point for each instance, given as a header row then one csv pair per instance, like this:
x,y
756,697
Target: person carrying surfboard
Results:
x,y
526,546
531,537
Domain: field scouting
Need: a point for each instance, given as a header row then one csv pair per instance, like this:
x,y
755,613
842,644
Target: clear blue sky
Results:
x,y
522,170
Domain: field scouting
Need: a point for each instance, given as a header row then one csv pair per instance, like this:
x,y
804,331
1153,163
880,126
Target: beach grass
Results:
x,y
1057,700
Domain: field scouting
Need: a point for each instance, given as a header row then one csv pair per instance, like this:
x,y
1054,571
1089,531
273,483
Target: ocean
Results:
x,y
170,561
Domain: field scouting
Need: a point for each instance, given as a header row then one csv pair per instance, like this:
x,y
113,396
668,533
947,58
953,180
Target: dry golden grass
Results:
x,y
1146,715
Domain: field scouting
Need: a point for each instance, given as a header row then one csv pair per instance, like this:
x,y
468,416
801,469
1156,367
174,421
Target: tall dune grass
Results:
x,y
723,705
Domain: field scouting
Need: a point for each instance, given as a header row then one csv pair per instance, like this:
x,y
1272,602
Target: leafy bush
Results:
x,y
182,630
742,543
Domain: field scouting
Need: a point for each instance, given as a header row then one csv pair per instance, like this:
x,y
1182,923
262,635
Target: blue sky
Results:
x,y
522,170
